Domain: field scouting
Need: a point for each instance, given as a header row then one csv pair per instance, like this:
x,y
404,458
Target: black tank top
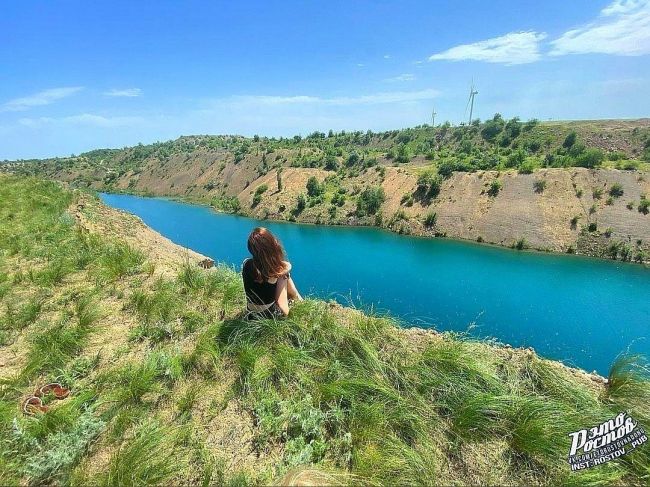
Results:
x,y
256,292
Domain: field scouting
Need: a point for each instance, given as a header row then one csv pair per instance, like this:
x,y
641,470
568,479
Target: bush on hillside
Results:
x,y
429,184
495,187
370,200
590,158
353,159
446,168
403,155
314,188
616,190
331,163
431,219
492,128
570,140
644,206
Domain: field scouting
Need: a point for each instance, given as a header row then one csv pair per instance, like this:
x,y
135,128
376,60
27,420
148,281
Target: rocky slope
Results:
x,y
503,190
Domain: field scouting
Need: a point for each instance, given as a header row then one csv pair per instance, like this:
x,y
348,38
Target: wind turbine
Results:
x,y
433,117
470,102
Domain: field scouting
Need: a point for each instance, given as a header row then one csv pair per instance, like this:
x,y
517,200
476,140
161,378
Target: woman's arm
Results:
x,y
292,290
281,297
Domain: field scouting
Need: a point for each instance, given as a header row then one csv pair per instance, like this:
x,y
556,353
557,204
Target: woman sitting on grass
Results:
x,y
267,282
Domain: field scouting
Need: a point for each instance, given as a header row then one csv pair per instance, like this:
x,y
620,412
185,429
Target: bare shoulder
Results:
x,y
287,266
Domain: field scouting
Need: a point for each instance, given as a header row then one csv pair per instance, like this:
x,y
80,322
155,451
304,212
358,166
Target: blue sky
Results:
x,y
76,75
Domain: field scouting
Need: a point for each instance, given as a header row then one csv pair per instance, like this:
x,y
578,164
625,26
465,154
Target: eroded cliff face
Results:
x,y
559,209
556,218
544,218
573,212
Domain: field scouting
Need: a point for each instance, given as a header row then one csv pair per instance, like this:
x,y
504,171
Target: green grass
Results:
x,y
338,393
312,368
119,260
149,458
53,346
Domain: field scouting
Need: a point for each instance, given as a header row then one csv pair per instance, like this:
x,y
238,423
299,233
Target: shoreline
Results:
x,y
403,326
483,244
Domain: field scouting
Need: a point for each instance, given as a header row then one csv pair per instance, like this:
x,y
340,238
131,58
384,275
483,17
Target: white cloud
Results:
x,y
127,92
41,98
622,6
372,99
512,48
83,119
402,77
387,56
623,28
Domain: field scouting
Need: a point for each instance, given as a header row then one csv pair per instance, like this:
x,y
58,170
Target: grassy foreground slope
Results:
x,y
169,386
581,186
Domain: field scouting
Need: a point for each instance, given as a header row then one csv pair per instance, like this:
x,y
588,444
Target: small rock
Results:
x,y
206,264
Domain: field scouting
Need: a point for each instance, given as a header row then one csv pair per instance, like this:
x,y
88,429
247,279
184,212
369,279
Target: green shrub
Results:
x,y
227,204
301,204
62,450
590,158
430,219
314,188
370,200
257,196
570,140
616,155
407,200
539,185
338,199
446,168
527,167
353,159
429,184
403,155
516,159
520,244
494,188
492,128
331,163
574,221
616,190
644,206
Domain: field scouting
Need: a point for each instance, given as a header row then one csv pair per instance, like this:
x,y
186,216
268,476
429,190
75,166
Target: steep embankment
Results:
x,y
169,386
506,183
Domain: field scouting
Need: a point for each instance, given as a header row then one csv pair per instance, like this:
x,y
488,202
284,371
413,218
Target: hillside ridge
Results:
x,y
578,187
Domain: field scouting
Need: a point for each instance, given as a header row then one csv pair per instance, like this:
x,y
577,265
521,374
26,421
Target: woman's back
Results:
x,y
256,292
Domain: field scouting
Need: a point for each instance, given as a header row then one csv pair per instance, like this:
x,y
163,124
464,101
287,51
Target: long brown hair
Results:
x,y
268,255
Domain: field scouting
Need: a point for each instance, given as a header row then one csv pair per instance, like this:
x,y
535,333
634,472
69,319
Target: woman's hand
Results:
x,y
287,267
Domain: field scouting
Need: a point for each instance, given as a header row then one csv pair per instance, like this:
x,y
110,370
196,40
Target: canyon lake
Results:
x,y
582,311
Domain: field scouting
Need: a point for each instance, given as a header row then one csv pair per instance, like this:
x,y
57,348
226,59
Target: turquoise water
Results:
x,y
580,310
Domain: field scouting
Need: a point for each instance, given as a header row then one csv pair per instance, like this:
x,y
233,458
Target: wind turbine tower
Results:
x,y
472,93
433,117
